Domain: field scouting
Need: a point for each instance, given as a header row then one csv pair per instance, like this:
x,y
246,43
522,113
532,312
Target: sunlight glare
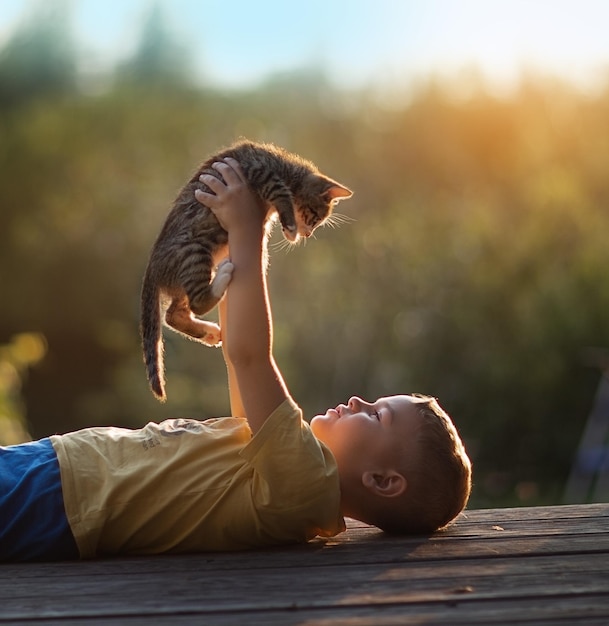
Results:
x,y
503,38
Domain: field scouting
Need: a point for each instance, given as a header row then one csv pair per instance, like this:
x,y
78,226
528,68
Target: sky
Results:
x,y
238,43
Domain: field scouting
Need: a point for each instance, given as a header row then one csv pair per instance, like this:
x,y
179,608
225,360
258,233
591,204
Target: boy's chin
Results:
x,y
316,424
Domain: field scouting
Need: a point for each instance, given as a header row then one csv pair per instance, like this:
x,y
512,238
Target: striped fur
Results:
x,y
178,286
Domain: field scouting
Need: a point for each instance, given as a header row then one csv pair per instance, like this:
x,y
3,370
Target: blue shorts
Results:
x,y
33,523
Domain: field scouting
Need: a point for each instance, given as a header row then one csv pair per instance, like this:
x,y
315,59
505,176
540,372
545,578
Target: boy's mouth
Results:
x,y
335,411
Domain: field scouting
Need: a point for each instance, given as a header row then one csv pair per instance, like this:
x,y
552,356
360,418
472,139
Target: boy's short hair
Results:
x,y
438,474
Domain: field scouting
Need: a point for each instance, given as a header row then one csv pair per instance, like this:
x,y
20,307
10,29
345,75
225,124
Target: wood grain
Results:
x,y
542,565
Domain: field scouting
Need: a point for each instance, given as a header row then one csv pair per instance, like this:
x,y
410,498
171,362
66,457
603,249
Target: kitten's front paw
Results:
x,y
213,336
223,276
290,233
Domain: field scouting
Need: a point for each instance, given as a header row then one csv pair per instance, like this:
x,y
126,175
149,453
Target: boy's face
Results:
x,y
364,436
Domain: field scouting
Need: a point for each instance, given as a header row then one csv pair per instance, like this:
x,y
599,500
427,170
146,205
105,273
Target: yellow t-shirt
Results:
x,y
190,486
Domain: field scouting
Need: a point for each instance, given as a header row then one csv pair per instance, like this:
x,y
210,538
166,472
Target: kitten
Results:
x,y
180,283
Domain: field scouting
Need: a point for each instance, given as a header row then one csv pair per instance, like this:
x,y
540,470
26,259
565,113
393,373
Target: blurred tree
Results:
x,y
40,58
159,59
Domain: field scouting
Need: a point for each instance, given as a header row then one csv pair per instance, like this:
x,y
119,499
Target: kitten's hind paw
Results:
x,y
223,276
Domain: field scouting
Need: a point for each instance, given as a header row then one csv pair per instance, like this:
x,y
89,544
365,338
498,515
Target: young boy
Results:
x,y
261,477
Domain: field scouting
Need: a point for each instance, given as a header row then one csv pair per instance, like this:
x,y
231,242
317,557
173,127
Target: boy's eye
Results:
x,y
377,415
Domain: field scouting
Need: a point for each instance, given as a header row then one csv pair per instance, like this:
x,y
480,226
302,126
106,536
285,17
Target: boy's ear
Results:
x,y
386,483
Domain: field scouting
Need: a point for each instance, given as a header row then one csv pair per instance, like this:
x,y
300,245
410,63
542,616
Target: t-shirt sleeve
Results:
x,y
295,475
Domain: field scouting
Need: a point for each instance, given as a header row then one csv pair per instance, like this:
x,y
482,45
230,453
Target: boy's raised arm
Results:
x,y
248,332
236,403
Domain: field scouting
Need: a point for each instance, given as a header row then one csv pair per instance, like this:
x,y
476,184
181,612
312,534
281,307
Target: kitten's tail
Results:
x,y
152,337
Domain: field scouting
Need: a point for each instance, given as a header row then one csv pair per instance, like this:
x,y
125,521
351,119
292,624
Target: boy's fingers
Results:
x,y
213,182
210,200
226,171
236,167
230,170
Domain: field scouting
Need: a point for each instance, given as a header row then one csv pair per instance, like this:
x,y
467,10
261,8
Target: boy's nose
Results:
x,y
355,403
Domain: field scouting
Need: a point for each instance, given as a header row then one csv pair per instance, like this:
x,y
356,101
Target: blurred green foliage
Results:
x,y
473,268
23,351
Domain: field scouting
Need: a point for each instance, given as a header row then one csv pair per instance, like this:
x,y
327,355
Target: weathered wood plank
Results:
x,y
525,514
319,588
589,609
516,566
355,551
566,611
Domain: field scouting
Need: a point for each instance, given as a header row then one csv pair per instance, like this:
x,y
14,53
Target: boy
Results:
x,y
261,477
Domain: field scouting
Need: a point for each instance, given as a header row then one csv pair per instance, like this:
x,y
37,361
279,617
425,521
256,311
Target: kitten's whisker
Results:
x,y
338,219
281,246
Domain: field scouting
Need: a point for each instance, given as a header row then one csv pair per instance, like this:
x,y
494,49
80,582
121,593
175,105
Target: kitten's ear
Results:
x,y
335,191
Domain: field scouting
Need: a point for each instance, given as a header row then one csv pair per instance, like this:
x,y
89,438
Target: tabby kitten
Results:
x,y
180,282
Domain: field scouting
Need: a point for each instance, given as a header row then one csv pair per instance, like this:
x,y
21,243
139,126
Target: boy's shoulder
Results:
x,y
289,456
300,484
283,427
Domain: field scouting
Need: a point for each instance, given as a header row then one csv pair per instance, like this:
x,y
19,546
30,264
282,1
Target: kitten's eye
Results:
x,y
313,220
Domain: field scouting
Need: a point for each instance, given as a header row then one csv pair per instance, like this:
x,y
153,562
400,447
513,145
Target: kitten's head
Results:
x,y
313,203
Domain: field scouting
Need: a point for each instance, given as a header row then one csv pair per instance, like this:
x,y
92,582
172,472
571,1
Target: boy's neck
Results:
x,y
356,503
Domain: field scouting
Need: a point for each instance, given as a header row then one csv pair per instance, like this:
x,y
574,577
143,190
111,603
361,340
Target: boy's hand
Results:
x,y
233,202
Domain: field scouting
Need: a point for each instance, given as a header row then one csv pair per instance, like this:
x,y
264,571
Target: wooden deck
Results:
x,y
545,565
